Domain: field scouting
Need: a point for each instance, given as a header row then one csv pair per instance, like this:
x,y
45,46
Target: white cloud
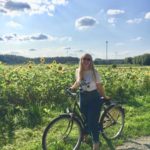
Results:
x,y
67,48
119,44
33,37
134,21
1,39
112,12
17,7
111,20
39,37
60,2
66,38
139,38
32,49
14,24
85,22
147,15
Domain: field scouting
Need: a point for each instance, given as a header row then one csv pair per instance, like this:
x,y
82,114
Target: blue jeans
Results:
x,y
90,105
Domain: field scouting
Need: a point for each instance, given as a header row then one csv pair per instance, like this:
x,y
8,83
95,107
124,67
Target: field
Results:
x,y
33,94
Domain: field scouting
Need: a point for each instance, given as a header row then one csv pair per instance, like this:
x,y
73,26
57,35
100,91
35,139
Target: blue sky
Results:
x,y
48,28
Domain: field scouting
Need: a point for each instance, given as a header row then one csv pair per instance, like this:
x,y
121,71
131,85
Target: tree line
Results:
x,y
140,60
13,59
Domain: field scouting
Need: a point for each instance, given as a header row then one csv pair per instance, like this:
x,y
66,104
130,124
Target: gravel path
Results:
x,y
142,143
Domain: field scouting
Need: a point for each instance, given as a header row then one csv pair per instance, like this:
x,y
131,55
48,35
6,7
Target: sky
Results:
x,y
49,28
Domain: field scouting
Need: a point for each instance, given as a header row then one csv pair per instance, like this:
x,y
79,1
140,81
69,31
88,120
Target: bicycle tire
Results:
x,y
112,122
61,132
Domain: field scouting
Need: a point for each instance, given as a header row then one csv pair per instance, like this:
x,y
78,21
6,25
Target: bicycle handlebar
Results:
x,y
74,94
106,102
70,92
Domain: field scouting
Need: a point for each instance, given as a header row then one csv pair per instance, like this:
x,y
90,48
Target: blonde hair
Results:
x,y
81,68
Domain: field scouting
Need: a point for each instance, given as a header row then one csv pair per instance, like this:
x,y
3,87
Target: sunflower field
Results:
x,y
32,94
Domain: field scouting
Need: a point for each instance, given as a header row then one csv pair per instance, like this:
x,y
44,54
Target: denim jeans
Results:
x,y
90,105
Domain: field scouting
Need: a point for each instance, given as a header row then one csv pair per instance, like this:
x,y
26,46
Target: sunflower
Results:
x,y
42,60
29,66
60,68
49,66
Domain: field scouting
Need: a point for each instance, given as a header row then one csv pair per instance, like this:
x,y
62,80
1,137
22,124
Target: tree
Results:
x,y
128,60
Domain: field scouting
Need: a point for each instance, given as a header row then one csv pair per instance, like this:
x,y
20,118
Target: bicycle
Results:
x,y
68,128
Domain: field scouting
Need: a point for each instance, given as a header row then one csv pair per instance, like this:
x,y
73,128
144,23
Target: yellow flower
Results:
x,y
147,73
42,60
49,67
30,66
60,68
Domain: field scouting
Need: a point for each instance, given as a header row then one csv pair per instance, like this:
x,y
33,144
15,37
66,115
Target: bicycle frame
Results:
x,y
76,113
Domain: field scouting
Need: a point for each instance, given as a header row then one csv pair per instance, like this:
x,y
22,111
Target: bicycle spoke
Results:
x,y
64,133
112,123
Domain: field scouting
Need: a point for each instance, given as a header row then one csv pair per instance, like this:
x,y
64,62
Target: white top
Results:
x,y
89,82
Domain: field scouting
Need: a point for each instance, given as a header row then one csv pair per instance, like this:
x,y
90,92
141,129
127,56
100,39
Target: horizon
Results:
x,y
72,57
69,28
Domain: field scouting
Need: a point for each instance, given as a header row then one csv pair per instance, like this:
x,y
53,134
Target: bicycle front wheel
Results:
x,y
63,133
112,122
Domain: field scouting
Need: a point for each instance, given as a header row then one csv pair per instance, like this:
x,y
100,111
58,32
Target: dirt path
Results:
x,y
142,143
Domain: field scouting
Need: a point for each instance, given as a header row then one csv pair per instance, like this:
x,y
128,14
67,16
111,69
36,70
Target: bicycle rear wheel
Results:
x,y
63,133
112,122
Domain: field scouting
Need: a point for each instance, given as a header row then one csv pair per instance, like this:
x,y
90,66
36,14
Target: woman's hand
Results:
x,y
107,98
71,88
74,86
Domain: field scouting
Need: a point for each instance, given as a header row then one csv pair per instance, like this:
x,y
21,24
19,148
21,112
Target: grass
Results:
x,y
137,118
136,124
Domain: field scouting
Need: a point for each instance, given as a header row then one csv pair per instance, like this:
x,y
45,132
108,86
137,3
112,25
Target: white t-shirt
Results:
x,y
89,80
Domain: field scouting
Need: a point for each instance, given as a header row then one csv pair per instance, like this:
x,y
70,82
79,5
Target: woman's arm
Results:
x,y
101,90
75,85
77,82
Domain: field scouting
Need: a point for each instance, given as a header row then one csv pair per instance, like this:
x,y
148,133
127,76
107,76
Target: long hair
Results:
x,y
81,68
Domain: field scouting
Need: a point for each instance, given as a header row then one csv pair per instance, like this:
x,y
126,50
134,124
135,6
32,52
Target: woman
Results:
x,y
89,81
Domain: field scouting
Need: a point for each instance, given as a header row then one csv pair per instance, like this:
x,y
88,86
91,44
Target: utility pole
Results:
x,y
67,49
106,51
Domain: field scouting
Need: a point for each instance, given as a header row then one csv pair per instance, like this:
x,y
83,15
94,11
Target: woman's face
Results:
x,y
86,61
